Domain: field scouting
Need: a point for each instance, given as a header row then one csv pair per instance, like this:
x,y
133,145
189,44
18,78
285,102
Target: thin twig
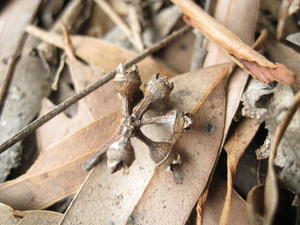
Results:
x,y
8,74
75,98
58,72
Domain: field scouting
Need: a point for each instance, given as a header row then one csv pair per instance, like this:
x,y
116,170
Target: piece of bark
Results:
x,y
282,16
243,55
15,16
137,196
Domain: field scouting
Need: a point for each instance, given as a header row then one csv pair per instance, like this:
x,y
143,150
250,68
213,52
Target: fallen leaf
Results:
x,y
243,55
132,198
9,216
286,55
57,172
45,135
255,199
235,147
98,52
213,208
236,17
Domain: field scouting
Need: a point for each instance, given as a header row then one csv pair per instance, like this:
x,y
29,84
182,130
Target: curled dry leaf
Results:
x,y
235,147
213,208
9,216
243,55
131,199
271,190
286,55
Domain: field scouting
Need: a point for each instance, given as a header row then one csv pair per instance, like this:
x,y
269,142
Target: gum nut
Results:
x,y
120,154
158,87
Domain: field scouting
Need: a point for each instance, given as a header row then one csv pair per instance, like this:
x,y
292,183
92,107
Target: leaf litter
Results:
x,y
53,158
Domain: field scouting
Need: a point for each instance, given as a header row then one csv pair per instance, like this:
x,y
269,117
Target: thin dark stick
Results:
x,y
75,98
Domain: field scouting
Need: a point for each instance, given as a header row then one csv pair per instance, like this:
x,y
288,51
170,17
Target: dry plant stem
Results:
x,y
75,98
118,21
242,54
283,15
58,72
271,191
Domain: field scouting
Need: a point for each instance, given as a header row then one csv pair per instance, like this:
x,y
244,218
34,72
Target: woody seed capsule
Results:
x,y
156,89
126,84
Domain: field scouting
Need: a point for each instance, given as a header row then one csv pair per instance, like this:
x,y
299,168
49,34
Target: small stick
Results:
x,y
75,98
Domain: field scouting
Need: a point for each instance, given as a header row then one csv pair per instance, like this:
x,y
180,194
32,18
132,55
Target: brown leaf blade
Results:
x,y
57,173
235,147
243,55
9,216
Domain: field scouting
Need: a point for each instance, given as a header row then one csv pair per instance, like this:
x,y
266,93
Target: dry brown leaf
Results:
x,y
235,147
213,208
57,173
236,17
285,55
255,199
9,216
45,135
100,53
139,195
243,55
